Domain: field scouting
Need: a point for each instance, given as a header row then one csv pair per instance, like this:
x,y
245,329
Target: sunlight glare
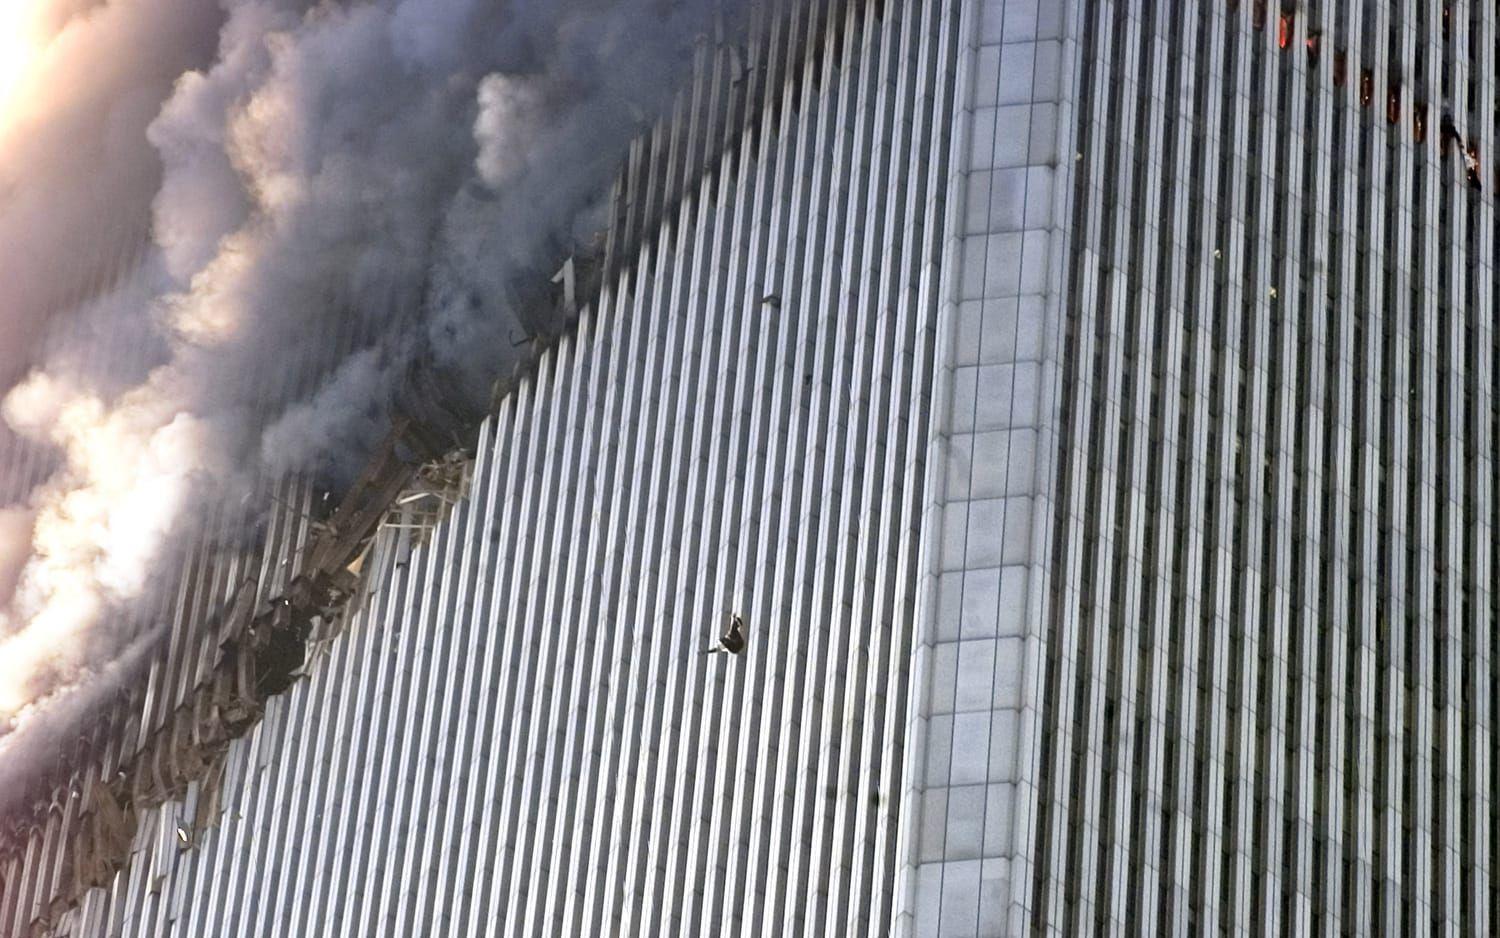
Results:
x,y
18,49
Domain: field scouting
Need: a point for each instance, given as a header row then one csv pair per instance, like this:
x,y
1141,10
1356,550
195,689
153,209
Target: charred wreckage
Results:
x,y
260,648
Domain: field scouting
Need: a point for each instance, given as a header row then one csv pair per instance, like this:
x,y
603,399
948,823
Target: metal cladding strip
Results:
x,y
461,733
566,569
1390,583
345,713
641,575
830,475
652,896
788,275
1333,777
619,564
729,705
802,162
1064,720
468,809
814,303
1279,520
547,669
1378,742
1139,833
1481,894
1454,514
586,714
918,892
905,293
1426,898
1135,254
801,168
850,452
431,661
1175,694
766,360
672,399
595,613
933,201
499,534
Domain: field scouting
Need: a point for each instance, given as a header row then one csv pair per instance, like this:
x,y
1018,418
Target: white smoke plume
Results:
x,y
332,192
79,83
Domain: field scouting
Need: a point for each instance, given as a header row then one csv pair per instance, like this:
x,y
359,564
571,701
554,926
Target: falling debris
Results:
x,y
1448,133
1471,162
733,639
772,300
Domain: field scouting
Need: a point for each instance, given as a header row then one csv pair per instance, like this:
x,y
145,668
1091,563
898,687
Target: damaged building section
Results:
x,y
157,759
259,648
260,655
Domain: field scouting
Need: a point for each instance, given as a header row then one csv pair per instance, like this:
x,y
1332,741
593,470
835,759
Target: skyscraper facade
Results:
x,y
1263,679
512,727
1085,410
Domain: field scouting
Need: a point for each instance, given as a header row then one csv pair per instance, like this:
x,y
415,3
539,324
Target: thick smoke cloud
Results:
x,y
337,192
77,174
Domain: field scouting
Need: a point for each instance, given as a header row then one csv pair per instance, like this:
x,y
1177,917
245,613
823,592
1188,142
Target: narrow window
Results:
x,y
1284,31
1258,14
1393,104
1314,47
1419,122
1471,161
1447,21
1366,88
1340,67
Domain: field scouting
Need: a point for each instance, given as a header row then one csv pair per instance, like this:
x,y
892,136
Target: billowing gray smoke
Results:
x,y
343,190
77,174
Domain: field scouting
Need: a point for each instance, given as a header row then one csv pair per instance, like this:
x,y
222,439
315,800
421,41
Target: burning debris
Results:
x,y
259,656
